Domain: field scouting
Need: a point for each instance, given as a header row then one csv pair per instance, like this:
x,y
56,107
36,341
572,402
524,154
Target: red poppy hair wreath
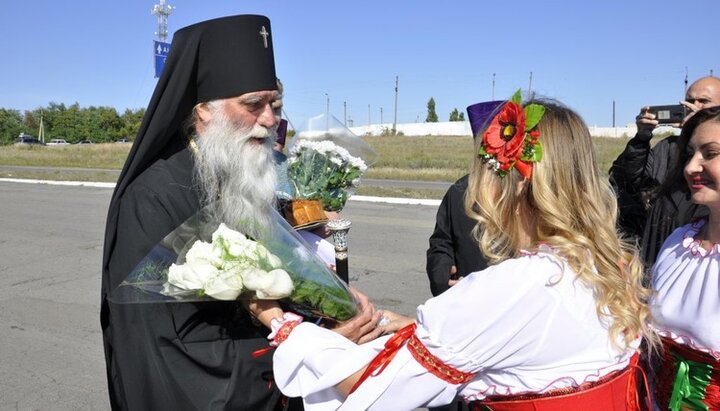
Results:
x,y
511,140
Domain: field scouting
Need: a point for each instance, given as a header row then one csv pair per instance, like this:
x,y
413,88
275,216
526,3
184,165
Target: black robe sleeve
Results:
x,y
629,176
451,242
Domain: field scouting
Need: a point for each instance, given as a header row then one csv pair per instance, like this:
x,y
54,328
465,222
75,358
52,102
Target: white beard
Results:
x,y
236,175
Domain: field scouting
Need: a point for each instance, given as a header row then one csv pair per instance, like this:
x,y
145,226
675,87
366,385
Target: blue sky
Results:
x,y
586,54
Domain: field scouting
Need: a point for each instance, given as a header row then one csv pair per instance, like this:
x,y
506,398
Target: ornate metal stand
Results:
x,y
339,229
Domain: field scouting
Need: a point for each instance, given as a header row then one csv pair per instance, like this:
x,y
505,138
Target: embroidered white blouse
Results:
x,y
687,279
524,325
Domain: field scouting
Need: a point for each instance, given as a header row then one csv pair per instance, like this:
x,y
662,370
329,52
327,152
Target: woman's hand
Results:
x,y
394,321
264,310
364,326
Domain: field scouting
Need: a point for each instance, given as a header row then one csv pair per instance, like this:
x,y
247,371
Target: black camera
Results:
x,y
668,114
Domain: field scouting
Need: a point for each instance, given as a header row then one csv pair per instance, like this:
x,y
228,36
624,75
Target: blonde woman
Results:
x,y
553,324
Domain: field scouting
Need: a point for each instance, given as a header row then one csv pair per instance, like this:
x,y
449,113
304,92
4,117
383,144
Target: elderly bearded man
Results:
x,y
207,134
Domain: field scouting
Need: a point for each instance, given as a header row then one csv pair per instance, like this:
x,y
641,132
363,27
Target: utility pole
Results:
x,y
686,82
381,116
41,131
396,96
493,87
369,118
614,129
345,113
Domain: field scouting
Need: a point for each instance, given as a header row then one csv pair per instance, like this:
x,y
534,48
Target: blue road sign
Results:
x,y
160,50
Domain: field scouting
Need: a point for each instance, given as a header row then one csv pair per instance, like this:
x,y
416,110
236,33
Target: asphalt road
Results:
x,y
50,257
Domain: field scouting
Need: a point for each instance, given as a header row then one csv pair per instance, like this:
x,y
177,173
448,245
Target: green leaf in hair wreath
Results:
x,y
533,114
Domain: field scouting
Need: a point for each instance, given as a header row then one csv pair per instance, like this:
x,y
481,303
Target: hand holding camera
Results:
x,y
652,116
669,114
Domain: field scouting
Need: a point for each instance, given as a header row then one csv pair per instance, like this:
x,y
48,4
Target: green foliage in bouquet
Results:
x,y
324,171
332,302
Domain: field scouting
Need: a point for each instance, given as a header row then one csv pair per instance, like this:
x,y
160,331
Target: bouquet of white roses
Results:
x,y
326,162
203,260
227,266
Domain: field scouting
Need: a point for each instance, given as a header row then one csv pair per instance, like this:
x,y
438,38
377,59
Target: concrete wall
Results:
x,y
446,128
462,128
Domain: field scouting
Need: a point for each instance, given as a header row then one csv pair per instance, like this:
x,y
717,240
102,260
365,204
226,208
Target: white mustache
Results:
x,y
258,131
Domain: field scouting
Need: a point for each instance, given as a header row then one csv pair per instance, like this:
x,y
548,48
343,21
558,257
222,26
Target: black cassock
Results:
x,y
451,243
176,356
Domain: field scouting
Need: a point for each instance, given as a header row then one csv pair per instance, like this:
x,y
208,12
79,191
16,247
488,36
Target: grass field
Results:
x,y
431,158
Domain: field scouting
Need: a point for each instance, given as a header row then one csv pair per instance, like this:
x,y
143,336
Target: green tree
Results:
x,y
73,123
11,125
131,120
456,115
432,116
108,125
65,122
31,122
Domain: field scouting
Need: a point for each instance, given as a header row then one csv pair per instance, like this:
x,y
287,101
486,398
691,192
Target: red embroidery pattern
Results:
x,y
435,365
284,332
419,352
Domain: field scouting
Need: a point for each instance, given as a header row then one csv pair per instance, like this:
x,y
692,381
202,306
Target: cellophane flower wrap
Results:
x,y
326,162
208,260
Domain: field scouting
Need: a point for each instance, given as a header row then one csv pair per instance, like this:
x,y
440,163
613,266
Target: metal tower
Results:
x,y
162,11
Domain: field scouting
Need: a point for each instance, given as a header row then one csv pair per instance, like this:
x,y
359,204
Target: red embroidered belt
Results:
x,y
419,352
614,392
687,378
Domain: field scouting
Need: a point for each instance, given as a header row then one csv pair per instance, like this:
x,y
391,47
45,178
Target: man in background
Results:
x,y
641,169
454,252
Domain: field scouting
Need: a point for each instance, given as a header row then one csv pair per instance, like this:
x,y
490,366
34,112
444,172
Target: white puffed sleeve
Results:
x,y
525,324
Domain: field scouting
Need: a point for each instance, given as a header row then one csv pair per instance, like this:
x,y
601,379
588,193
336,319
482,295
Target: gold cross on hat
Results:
x,y
264,33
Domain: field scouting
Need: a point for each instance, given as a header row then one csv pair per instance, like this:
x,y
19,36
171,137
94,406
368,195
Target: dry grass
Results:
x,y
108,156
421,193
430,158
444,158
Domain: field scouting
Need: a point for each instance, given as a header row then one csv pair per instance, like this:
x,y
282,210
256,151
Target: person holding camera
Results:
x,y
640,169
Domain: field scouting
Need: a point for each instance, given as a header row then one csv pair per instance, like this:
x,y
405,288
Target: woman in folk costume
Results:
x,y
686,276
553,324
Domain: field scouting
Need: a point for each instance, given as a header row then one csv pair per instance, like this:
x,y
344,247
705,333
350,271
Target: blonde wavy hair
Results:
x,y
568,205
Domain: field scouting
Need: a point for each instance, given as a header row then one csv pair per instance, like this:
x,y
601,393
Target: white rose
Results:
x,y
232,243
191,275
237,266
280,287
225,286
263,254
204,252
256,279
